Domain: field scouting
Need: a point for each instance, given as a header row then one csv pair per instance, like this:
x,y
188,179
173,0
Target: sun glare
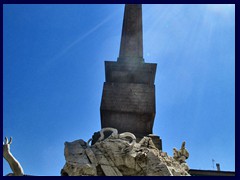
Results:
x,y
221,9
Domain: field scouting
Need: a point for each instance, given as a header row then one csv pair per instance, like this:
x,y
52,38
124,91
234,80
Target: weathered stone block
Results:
x,y
139,73
128,107
128,97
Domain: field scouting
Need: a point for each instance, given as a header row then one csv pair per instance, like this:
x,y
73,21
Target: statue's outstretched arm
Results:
x,y
14,164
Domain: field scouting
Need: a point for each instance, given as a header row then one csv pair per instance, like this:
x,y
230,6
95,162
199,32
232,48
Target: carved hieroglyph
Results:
x,y
119,155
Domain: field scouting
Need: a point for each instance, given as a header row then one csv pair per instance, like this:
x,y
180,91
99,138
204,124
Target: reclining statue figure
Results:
x,y
14,164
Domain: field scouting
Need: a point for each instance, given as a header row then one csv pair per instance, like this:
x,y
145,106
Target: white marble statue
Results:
x,y
14,164
181,156
119,155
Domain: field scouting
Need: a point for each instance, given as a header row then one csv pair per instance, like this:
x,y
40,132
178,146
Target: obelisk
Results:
x,y
128,98
131,49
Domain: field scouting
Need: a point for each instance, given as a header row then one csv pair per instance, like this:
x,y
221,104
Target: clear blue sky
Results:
x,y
54,72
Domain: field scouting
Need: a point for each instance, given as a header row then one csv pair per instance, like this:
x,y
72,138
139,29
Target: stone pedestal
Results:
x,y
128,99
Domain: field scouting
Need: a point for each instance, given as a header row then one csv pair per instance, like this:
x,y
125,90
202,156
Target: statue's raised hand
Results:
x,y
6,146
12,161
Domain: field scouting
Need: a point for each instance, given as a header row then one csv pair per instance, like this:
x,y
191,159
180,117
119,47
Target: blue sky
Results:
x,y
53,74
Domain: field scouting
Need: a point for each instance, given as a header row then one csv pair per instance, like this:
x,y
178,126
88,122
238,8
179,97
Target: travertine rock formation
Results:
x,y
119,155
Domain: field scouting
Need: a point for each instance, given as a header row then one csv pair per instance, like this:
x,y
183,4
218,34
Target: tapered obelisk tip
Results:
x,y
131,48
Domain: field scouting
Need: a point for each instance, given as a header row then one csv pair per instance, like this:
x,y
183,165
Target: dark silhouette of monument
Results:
x,y
128,98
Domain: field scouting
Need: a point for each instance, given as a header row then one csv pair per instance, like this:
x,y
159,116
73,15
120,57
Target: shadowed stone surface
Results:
x,y
128,98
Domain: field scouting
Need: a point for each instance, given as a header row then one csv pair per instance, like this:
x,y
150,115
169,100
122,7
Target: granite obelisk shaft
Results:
x,y
131,49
